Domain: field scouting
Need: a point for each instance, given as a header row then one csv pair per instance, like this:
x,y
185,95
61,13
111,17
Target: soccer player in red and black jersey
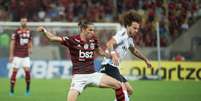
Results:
x,y
20,49
82,49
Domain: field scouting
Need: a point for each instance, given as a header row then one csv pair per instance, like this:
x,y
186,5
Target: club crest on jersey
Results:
x,y
91,40
92,46
78,45
86,46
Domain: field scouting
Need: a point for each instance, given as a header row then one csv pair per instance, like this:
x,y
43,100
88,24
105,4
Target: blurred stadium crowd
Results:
x,y
174,16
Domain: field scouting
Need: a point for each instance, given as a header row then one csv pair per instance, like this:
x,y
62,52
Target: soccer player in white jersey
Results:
x,y
118,46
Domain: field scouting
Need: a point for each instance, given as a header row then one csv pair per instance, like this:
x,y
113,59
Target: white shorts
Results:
x,y
19,62
81,81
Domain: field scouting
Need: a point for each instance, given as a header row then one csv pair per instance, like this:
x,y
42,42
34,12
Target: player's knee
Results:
x,y
26,69
130,91
15,69
117,84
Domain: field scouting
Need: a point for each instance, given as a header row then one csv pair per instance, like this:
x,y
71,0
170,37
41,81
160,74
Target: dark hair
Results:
x,y
127,18
83,24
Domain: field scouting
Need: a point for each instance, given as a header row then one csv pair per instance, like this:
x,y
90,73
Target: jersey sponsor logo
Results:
x,y
92,46
86,46
124,48
85,54
24,38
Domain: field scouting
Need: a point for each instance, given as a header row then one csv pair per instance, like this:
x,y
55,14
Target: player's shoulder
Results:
x,y
28,30
72,38
75,37
17,30
121,32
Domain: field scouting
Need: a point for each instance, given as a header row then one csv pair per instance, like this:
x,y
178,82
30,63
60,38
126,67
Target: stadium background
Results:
x,y
177,66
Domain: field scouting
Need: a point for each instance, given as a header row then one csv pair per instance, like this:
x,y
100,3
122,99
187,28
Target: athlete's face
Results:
x,y
133,29
90,31
23,22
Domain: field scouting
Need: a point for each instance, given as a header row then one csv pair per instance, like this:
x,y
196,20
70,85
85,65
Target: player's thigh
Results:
x,y
94,79
129,88
16,63
72,95
26,63
112,72
79,82
109,82
123,79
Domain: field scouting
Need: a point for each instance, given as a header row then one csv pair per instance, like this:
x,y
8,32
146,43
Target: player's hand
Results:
x,y
148,63
10,59
115,59
41,29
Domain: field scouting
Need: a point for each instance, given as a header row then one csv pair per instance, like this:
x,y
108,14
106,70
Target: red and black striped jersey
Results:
x,y
21,37
82,53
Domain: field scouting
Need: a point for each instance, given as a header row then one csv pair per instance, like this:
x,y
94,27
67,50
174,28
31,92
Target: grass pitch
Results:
x,y
56,90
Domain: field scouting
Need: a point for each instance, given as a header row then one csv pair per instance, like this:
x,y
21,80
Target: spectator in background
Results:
x,y
178,57
181,14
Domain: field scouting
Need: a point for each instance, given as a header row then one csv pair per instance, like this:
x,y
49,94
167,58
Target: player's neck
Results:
x,y
23,27
128,32
83,37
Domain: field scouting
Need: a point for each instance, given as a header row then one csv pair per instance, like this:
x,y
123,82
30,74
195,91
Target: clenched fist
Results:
x,y
41,29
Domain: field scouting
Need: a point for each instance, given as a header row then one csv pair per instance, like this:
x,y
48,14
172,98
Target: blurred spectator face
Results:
x,y
23,22
133,29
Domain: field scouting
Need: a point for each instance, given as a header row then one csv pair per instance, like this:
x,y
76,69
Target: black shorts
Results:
x,y
113,72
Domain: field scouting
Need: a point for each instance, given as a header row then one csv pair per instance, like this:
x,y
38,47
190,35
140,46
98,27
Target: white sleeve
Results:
x,y
13,35
118,38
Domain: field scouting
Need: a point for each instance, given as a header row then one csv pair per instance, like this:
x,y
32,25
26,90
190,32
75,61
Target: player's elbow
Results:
x,y
109,44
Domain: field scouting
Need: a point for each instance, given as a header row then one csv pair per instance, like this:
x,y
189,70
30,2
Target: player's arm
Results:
x,y
12,44
110,48
138,54
30,44
49,35
101,52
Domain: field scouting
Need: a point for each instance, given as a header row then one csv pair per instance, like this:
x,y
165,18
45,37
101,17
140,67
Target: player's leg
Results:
x,y
114,73
15,65
72,95
107,81
79,82
13,80
128,88
27,80
26,65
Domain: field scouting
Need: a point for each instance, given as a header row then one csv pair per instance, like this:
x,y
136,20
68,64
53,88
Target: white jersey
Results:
x,y
123,42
